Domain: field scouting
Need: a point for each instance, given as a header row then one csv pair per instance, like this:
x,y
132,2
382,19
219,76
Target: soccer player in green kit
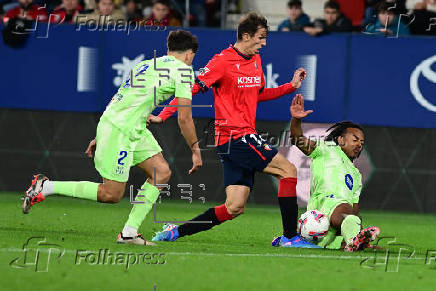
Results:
x,y
335,183
123,141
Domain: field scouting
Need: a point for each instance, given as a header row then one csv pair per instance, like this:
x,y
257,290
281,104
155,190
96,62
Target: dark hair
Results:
x,y
127,2
385,7
163,2
250,23
339,129
332,5
181,41
294,3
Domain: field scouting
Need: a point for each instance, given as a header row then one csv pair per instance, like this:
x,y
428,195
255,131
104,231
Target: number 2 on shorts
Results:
x,y
123,155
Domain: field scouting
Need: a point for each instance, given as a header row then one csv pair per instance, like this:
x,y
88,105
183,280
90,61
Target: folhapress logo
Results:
x,y
37,254
248,81
423,68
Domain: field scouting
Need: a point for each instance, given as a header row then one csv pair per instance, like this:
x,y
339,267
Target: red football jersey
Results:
x,y
238,84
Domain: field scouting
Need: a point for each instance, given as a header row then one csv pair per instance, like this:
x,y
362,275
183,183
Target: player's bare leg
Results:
x,y
107,192
110,191
344,220
158,172
236,198
286,172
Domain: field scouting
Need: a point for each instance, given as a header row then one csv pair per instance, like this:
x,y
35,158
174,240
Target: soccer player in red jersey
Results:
x,y
237,81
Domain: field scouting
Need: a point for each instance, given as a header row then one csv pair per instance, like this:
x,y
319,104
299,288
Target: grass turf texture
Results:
x,y
234,256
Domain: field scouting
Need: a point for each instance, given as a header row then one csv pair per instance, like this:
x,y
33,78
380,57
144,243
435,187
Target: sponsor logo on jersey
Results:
x,y
349,181
248,82
331,196
255,65
237,66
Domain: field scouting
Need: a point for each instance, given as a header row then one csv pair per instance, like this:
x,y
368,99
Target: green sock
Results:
x,y
148,195
336,243
84,189
350,227
329,238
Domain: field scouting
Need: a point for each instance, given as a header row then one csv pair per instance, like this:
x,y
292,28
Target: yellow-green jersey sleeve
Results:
x,y
183,81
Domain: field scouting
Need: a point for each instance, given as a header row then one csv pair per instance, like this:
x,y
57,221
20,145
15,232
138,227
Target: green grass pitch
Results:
x,y
234,256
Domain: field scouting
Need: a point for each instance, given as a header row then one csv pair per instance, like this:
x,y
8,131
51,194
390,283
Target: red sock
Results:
x,y
222,214
288,187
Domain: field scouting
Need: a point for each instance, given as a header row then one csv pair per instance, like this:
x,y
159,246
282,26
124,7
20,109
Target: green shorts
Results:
x,y
325,203
116,152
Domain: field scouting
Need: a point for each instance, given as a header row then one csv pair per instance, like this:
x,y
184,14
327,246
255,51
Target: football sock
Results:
x,y
212,216
350,227
329,238
288,205
47,188
129,231
146,198
84,189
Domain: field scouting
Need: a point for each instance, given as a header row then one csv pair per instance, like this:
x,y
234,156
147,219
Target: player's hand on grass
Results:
x,y
297,107
91,148
153,119
197,162
299,76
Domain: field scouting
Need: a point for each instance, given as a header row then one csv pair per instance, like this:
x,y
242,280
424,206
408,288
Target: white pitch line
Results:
x,y
293,256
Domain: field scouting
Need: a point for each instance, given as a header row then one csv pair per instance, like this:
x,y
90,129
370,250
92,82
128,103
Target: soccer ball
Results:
x,y
313,225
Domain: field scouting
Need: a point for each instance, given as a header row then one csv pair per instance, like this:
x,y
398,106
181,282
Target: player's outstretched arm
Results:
x,y
298,139
170,110
267,94
187,127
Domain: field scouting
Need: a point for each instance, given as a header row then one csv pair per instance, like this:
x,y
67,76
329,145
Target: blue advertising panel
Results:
x,y
393,81
368,79
325,62
44,74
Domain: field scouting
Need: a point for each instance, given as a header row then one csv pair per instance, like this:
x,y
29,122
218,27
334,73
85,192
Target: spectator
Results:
x,y
399,6
334,21
297,18
68,11
425,17
133,13
161,15
104,14
388,22
26,10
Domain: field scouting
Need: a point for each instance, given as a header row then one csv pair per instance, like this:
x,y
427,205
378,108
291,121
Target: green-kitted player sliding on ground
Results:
x,y
123,141
335,182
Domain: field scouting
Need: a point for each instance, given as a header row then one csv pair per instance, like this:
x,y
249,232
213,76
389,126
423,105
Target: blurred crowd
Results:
x,y
388,17
385,17
143,12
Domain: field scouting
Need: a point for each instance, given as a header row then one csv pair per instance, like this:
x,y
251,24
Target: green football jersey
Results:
x,y
333,174
146,87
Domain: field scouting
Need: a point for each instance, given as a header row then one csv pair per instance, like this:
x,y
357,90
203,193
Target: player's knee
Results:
x,y
110,195
235,209
163,174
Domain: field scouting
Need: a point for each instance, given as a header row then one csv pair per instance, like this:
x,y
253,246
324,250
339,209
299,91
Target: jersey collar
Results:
x,y
239,53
